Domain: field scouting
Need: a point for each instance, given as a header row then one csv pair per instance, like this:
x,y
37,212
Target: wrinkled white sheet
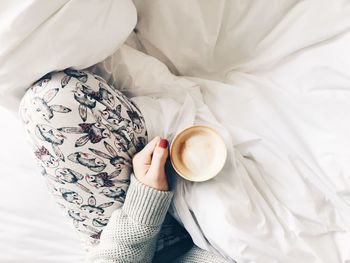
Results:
x,y
212,39
280,100
282,196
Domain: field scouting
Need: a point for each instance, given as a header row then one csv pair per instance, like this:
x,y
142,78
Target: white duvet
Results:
x,y
274,78
279,91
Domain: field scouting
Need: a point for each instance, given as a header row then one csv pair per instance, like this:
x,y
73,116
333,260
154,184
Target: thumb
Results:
x,y
160,155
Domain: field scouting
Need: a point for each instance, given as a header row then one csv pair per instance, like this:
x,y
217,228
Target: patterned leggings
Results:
x,y
84,134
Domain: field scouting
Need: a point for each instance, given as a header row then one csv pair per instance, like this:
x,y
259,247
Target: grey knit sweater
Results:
x,y
131,234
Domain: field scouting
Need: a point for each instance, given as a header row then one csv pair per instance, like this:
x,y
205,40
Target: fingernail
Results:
x,y
163,143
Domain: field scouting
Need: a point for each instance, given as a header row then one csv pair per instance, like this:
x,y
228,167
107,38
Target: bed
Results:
x,y
271,76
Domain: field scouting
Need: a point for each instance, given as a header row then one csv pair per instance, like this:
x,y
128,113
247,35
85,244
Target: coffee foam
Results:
x,y
198,153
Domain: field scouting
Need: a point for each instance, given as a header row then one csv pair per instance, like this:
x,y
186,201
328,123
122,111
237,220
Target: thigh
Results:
x,y
84,134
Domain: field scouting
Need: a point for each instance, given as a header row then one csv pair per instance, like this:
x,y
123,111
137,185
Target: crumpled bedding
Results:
x,y
273,79
281,103
274,201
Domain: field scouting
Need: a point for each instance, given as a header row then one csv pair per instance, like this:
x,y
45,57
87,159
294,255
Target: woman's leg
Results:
x,y
84,134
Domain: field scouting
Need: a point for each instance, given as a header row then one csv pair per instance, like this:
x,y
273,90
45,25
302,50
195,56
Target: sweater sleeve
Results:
x,y
131,233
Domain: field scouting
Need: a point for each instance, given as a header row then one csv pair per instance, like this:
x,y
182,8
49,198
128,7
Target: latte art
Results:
x,y
198,153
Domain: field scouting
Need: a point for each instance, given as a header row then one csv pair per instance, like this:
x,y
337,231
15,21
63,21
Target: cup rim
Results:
x,y
198,126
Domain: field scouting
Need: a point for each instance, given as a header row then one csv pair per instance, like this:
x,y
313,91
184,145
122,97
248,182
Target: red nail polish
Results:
x,y
163,143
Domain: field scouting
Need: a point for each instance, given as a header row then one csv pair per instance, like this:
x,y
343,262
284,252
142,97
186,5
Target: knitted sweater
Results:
x,y
131,234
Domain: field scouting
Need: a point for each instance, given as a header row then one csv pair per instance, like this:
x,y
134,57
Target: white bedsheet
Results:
x,y
33,229
281,96
282,195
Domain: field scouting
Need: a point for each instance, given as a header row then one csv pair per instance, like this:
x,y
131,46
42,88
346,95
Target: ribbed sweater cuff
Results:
x,y
146,205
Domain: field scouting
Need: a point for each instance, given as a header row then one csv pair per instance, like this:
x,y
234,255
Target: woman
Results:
x,y
85,134
131,233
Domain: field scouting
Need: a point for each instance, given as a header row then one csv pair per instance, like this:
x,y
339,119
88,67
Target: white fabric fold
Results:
x,y
276,199
37,37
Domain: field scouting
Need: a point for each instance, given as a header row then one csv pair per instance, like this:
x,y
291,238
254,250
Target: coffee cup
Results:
x,y
198,153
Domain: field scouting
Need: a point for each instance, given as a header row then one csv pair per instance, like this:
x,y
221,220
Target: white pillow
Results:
x,y
40,36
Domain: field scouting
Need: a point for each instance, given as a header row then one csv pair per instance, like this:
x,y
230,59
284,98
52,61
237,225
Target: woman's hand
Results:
x,y
149,164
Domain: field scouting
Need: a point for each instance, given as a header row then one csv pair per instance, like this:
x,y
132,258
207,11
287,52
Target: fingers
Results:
x,y
149,164
146,153
160,155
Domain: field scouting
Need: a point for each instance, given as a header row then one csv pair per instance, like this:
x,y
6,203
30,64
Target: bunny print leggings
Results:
x,y
84,134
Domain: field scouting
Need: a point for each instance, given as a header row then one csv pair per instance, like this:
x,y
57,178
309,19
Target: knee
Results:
x,y
56,93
